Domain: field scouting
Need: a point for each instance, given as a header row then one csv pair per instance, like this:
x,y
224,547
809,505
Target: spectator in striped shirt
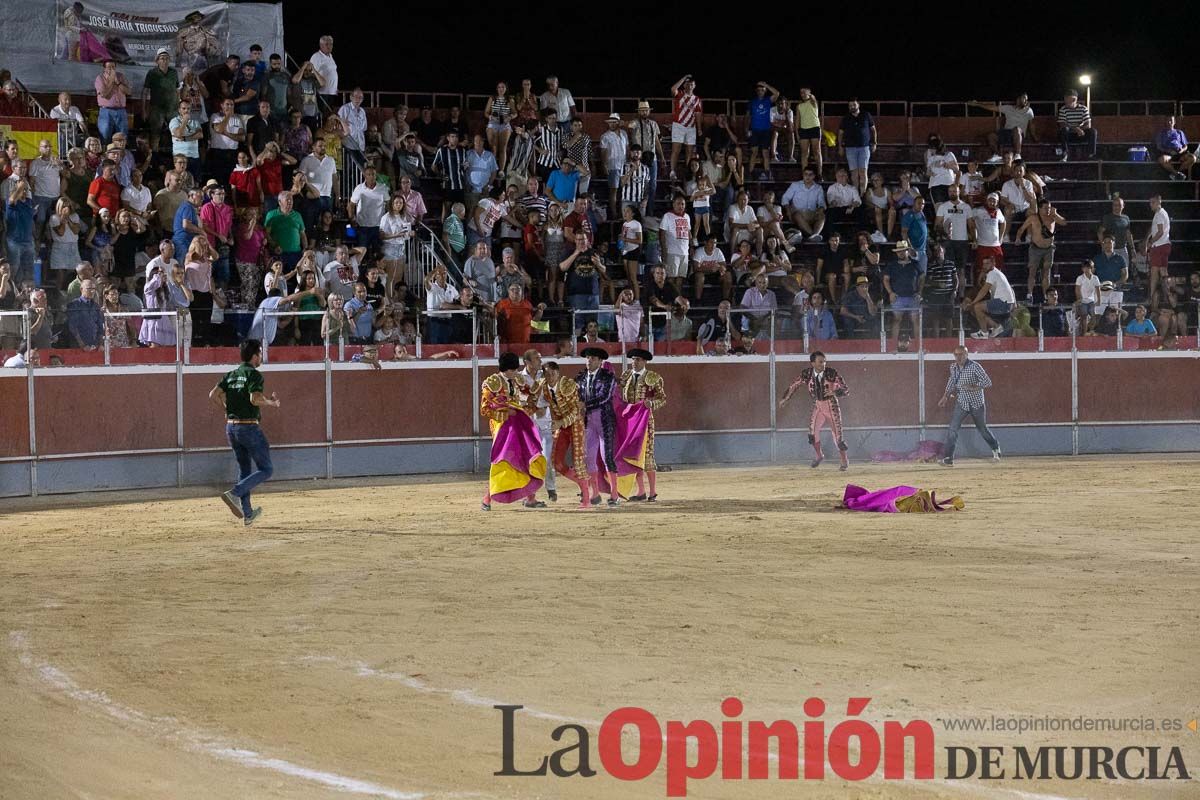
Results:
x,y
644,132
450,164
548,145
520,156
634,180
533,199
966,384
685,113
1075,125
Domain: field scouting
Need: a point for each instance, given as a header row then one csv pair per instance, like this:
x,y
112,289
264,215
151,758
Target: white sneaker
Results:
x,y
996,159
979,335
996,454
996,331
816,237
878,238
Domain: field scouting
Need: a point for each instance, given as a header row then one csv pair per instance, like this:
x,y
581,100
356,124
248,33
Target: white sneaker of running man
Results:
x,y
996,454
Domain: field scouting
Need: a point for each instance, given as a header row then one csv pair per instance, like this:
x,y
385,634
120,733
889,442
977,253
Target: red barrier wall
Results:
x,y
136,410
14,422
103,413
1149,389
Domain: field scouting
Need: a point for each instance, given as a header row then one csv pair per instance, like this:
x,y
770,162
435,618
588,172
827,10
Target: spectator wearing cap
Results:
x,y
112,91
903,280
160,95
186,133
859,310
216,217
644,132
563,183
1075,125
614,149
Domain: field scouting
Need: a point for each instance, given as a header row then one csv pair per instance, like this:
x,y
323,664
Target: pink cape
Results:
x,y
629,442
856,498
518,465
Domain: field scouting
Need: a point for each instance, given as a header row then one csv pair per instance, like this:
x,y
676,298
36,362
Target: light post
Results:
x,y
1085,81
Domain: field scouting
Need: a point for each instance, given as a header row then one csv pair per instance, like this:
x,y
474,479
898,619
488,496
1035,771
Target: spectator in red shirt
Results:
x,y
105,192
514,315
246,183
577,222
270,171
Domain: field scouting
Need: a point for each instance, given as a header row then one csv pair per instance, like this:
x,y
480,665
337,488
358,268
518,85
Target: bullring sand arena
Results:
x,y
355,641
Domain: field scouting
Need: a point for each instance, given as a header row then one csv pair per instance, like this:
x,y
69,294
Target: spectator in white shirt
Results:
x,y
675,233
994,302
1016,196
1158,247
843,200
323,63
1087,294
951,220
561,101
804,201
986,227
710,260
1014,128
943,168
367,204
741,223
321,171
614,147
65,110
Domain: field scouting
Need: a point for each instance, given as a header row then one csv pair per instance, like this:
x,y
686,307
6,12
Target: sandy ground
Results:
x,y
355,641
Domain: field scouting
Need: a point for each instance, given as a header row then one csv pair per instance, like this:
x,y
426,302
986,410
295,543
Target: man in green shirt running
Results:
x,y
240,395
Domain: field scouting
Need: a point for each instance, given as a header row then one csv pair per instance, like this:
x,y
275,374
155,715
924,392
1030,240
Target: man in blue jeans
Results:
x,y
240,395
966,385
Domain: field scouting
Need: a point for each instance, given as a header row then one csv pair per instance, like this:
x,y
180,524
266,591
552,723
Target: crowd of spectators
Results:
x,y
250,201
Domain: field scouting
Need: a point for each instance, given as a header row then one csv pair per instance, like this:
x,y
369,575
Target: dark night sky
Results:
x,y
888,57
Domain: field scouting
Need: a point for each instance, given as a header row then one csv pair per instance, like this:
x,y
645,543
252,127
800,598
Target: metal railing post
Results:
x,y
921,328
771,390
882,328
179,326
474,333
495,336
328,411
962,331
804,326
574,330
1120,329
107,341
31,400
266,345
1041,331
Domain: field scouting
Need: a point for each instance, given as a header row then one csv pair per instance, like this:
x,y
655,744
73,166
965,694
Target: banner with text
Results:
x,y
195,39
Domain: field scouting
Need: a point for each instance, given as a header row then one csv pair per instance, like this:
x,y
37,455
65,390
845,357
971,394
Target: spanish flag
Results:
x,y
28,131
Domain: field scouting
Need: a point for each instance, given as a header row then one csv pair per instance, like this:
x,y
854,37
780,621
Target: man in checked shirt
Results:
x,y
966,385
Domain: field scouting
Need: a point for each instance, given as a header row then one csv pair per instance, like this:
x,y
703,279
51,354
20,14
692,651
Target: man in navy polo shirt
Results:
x,y
856,141
904,281
758,112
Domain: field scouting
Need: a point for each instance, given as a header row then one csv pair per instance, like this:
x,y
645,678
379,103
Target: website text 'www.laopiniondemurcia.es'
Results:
x,y
852,749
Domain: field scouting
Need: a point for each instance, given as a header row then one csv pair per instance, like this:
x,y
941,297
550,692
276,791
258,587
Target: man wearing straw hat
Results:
x,y
645,133
903,281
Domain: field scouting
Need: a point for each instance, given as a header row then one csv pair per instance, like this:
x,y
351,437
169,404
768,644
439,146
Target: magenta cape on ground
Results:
x,y
518,465
857,498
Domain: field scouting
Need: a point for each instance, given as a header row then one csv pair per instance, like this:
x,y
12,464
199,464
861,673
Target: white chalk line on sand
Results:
x,y
471,698
168,728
